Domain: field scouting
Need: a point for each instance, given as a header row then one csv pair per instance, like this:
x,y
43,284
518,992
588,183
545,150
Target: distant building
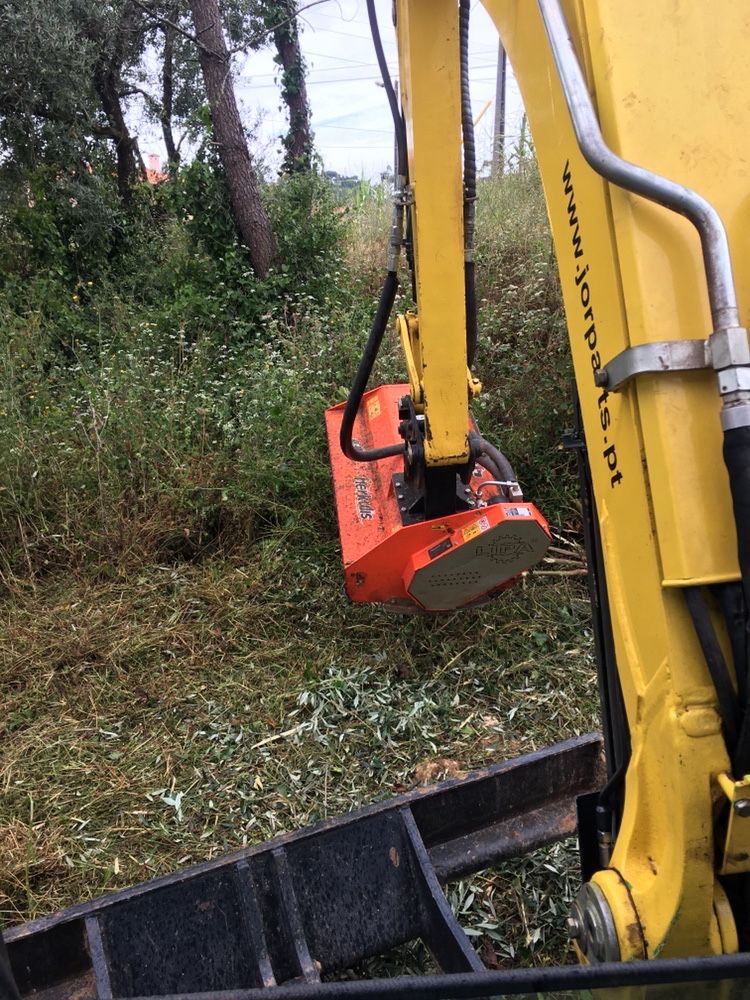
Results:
x,y
154,173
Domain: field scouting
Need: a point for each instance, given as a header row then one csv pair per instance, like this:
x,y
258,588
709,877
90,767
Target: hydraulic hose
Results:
x,y
490,466
470,296
484,449
717,667
470,184
374,340
736,452
409,253
732,603
717,260
390,285
398,121
402,160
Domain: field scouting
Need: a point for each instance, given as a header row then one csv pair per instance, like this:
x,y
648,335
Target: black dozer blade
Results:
x,y
283,915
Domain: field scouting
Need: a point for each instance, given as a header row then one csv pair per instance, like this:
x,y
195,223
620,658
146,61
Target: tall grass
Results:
x,y
180,672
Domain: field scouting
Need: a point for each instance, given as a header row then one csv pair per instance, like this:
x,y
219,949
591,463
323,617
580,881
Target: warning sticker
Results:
x,y
373,408
472,530
517,512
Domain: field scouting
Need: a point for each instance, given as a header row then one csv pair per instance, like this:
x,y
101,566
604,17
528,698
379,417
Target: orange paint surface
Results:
x,y
380,554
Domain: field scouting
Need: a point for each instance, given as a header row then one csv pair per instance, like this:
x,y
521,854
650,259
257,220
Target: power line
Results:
x,y
513,136
358,112
354,79
350,34
323,69
343,69
354,128
324,55
339,18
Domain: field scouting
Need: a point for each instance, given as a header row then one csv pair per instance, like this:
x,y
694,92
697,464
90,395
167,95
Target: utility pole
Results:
x,y
498,141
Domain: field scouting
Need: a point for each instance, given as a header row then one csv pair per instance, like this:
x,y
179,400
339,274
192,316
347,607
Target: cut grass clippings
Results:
x,y
166,719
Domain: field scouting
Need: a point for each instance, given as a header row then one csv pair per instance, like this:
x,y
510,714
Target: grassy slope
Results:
x,y
180,672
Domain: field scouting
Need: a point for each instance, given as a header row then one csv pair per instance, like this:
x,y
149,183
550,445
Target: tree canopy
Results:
x,y
77,77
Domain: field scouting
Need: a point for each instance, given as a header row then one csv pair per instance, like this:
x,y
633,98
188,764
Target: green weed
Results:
x,y
180,672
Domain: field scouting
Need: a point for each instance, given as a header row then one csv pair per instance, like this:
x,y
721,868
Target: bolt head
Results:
x,y
573,928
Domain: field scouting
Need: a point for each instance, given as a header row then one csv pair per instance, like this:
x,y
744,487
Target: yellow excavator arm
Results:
x,y
640,118
640,112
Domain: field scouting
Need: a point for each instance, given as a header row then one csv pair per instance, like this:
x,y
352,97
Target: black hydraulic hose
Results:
x,y
741,755
484,448
470,296
467,118
717,666
402,166
390,285
379,324
470,184
490,466
737,461
409,250
732,605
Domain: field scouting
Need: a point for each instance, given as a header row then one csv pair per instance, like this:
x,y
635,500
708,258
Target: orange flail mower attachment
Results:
x,y
437,565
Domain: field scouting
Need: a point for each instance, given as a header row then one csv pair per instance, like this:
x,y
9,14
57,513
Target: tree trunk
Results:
x,y
167,95
105,82
298,141
249,212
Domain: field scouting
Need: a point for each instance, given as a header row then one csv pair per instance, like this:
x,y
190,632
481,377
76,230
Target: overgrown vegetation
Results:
x,y
181,674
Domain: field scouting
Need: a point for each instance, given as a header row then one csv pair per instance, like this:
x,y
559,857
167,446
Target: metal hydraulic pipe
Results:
x,y
714,242
727,344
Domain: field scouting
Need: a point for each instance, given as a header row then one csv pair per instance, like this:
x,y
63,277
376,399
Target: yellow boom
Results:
x,y
667,85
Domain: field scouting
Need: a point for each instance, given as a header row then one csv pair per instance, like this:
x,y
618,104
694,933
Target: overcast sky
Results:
x,y
350,115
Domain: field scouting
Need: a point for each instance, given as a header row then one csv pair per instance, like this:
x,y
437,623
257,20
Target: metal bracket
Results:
x,y
736,857
732,363
661,356
404,196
